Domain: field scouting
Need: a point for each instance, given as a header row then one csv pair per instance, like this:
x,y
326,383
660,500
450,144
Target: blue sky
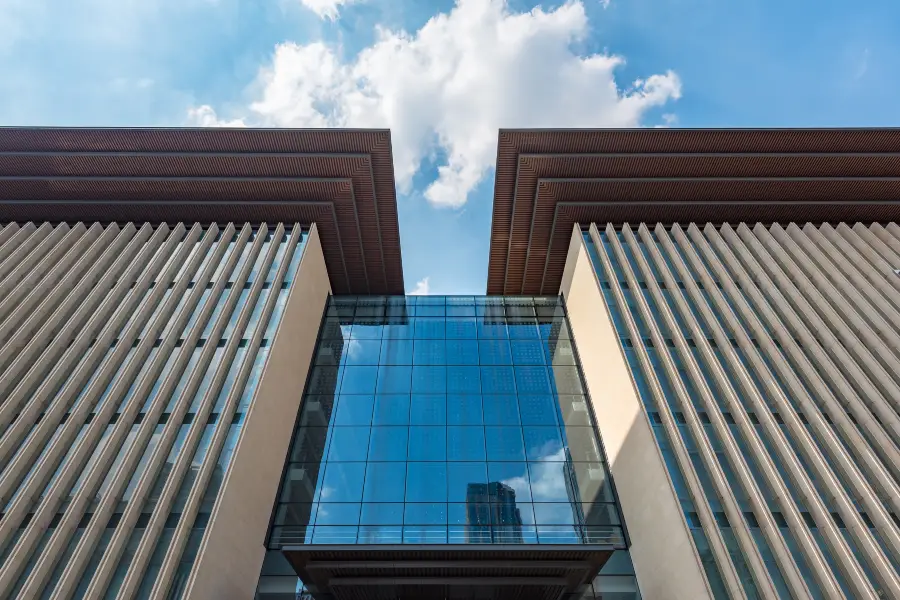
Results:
x,y
445,75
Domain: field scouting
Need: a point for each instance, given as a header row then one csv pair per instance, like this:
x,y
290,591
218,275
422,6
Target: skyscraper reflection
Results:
x,y
492,515
574,496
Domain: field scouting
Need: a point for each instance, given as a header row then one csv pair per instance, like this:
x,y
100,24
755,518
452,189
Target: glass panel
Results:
x,y
527,352
426,482
464,410
323,380
391,409
573,410
582,444
427,443
510,481
348,444
537,410
592,482
364,331
381,513
429,352
334,513
504,443
429,328
462,352
385,482
498,380
425,513
317,411
295,514
354,410
343,482
566,380
463,380
464,480
361,352
334,534
396,352
560,352
394,379
422,428
429,380
543,444
359,380
532,380
523,328
461,328
494,352
388,444
310,444
465,443
501,410
430,409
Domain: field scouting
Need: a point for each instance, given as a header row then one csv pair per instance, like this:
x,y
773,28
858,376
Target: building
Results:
x,y
492,516
684,381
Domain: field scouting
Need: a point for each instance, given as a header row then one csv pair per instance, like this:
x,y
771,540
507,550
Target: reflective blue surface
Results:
x,y
436,420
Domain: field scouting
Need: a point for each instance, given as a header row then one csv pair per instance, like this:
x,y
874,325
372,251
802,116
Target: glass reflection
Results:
x,y
459,420
385,482
426,482
465,443
391,409
461,475
354,410
428,409
464,409
388,443
427,443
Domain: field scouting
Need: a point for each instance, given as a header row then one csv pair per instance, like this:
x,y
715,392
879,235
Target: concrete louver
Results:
x,y
792,332
121,377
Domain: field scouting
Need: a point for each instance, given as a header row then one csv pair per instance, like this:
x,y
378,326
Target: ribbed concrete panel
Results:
x,y
130,356
719,548
773,349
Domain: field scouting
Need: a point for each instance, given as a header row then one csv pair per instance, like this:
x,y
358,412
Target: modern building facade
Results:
x,y
683,383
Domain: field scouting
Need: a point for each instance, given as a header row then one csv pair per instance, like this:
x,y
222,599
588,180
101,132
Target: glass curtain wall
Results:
x,y
444,420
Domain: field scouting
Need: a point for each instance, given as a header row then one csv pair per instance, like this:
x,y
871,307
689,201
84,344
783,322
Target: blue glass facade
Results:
x,y
445,420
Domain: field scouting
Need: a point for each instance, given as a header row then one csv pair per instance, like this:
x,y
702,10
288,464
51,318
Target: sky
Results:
x,y
444,76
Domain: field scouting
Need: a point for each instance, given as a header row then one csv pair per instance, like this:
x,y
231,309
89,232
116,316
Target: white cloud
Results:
x,y
422,288
326,9
353,348
205,116
668,120
447,88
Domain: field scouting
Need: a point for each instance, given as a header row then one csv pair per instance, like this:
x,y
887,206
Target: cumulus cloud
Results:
x,y
326,9
205,116
422,288
446,89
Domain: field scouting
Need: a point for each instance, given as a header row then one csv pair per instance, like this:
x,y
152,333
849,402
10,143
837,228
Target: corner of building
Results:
x,y
233,548
651,510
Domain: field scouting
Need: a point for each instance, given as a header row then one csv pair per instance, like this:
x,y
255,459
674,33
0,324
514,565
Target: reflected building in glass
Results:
x,y
492,515
682,382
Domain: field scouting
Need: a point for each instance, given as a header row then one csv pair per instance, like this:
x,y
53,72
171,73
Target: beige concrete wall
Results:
x,y
231,556
665,561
